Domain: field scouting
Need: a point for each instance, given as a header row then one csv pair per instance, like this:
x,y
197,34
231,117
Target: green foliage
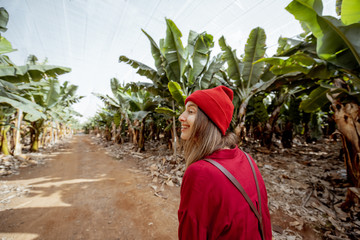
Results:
x,y
256,111
350,12
315,100
336,41
315,125
292,111
177,93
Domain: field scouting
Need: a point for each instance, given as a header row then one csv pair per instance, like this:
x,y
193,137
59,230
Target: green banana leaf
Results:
x,y
299,62
177,93
254,50
27,107
175,53
51,70
5,46
142,69
17,74
4,18
114,84
350,11
316,100
140,115
155,51
166,111
200,53
214,67
53,94
234,70
336,42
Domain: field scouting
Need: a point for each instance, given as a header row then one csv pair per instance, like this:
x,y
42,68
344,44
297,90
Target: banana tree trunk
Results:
x,y
113,132
35,141
287,135
107,133
35,134
141,143
271,126
57,131
18,147
4,141
118,139
174,131
347,120
240,130
43,140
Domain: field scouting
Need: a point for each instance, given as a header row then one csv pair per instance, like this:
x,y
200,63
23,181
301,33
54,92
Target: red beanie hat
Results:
x,y
216,103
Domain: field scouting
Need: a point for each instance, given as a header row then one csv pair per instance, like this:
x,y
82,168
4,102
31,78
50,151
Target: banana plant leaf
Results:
x,y
17,74
107,100
199,52
5,46
316,100
26,106
234,69
156,53
142,69
174,52
49,70
6,86
336,42
214,67
177,93
254,50
295,63
114,84
53,95
140,115
4,18
350,12
166,111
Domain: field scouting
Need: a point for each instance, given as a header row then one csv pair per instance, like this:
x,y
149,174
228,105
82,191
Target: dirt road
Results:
x,y
82,193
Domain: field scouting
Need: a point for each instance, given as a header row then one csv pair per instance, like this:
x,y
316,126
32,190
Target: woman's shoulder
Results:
x,y
201,168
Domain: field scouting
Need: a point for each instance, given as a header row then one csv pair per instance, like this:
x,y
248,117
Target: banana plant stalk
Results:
x,y
174,130
35,131
4,142
17,148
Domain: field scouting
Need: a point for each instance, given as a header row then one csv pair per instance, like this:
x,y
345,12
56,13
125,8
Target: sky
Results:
x,y
89,36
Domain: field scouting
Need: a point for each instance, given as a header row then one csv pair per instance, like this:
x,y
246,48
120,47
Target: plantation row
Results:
x,y
309,88
35,109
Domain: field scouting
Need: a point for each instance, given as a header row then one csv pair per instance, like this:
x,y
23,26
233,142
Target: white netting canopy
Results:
x,y
90,35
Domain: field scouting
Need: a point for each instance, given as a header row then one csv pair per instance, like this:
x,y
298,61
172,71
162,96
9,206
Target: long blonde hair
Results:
x,y
205,139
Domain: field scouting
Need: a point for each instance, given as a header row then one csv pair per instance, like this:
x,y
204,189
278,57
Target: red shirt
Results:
x,y
211,207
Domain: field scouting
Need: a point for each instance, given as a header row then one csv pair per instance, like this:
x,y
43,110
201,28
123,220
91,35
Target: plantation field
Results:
x,y
88,188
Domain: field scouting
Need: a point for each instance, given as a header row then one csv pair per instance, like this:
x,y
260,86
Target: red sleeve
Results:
x,y
193,210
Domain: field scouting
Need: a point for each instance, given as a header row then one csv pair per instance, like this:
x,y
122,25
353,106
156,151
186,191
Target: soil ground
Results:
x,y
90,189
82,193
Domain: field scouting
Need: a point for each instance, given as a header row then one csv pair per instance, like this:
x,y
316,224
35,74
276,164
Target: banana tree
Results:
x,y
10,94
339,82
190,66
120,108
245,76
337,43
142,104
54,99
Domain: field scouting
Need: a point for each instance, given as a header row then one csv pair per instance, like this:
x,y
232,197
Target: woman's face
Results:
x,y
187,119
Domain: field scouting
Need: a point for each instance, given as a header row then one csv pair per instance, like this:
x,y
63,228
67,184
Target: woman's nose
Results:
x,y
182,118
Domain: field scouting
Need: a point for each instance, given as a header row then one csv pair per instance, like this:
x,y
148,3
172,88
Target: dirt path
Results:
x,y
82,193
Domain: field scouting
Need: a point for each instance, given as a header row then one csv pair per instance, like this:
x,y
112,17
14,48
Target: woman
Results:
x,y
211,207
